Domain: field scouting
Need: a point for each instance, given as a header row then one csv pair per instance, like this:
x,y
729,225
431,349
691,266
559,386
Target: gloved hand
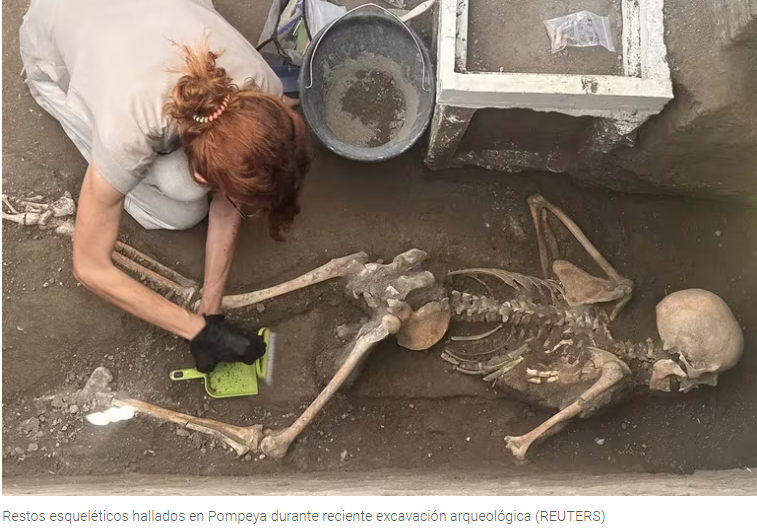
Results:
x,y
224,342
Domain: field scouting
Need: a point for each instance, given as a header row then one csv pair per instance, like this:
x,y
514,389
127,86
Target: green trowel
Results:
x,y
229,380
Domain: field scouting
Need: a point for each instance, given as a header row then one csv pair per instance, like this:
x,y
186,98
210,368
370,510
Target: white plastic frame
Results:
x,y
642,91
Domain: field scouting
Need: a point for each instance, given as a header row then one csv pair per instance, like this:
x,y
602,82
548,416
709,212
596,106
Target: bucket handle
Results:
x,y
412,34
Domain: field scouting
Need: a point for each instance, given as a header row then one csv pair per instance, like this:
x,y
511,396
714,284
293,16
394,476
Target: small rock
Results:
x,y
718,233
411,406
599,441
260,308
197,440
467,439
18,451
343,456
64,428
182,432
30,426
73,409
98,381
261,457
45,285
248,457
32,448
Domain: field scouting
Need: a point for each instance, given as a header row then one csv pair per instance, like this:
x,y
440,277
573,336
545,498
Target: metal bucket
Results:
x,y
367,86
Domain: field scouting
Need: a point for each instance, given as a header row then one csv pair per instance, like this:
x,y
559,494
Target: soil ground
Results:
x,y
408,411
524,46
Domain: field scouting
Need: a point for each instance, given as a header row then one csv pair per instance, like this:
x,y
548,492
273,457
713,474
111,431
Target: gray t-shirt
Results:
x,y
113,59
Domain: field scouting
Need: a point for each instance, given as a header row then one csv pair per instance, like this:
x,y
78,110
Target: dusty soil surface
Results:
x,y
526,47
408,410
368,101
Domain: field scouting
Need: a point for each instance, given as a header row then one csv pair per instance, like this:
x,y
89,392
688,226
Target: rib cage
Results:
x,y
537,320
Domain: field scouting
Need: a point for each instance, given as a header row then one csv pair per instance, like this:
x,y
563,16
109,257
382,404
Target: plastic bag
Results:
x,y
579,30
291,24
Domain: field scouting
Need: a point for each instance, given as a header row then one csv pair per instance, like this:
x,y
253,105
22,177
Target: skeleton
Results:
x,y
558,352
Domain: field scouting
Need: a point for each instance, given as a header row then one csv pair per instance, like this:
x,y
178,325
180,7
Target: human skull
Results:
x,y
700,328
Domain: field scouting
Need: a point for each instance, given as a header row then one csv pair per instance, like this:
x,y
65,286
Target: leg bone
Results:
x,y
612,373
277,444
155,280
547,244
153,264
241,439
339,267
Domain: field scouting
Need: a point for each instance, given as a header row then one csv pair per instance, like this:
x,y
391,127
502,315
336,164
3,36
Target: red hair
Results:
x,y
256,152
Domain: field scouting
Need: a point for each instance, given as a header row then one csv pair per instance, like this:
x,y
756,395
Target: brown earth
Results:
x,y
408,410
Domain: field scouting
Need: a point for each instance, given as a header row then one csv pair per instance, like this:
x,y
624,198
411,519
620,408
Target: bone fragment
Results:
x,y
35,207
7,204
504,370
661,372
477,337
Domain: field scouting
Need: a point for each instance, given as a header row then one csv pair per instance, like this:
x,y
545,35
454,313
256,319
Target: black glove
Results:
x,y
222,342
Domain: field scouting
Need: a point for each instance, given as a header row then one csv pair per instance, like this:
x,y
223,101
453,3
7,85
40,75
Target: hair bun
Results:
x,y
202,87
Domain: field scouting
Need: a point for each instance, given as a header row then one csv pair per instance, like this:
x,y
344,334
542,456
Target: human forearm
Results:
x,y
95,235
223,227
119,289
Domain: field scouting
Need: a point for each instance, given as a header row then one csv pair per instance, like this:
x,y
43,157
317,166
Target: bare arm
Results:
x,y
97,224
223,226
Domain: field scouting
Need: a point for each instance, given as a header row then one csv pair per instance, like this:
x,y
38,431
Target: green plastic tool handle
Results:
x,y
186,374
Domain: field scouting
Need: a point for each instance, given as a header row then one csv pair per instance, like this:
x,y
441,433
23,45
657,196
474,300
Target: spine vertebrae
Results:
x,y
473,308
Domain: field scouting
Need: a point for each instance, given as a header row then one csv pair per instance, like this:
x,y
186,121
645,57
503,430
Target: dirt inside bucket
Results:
x,y
369,102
